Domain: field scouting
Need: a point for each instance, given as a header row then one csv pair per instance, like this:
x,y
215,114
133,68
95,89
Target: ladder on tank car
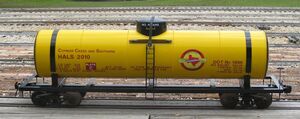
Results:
x,y
150,79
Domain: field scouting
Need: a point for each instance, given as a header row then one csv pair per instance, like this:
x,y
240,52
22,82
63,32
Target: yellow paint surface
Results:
x,y
191,54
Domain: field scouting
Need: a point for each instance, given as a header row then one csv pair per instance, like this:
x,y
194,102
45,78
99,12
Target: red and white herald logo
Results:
x,y
192,60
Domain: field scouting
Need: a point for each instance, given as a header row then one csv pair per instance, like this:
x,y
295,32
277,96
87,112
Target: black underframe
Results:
x,y
273,87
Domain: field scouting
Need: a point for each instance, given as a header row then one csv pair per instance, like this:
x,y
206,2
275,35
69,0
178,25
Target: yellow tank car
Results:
x,y
150,52
178,54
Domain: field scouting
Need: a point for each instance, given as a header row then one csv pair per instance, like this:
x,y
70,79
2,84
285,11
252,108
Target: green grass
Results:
x,y
70,3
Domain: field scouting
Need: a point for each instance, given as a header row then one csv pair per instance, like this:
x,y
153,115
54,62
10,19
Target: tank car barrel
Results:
x,y
178,54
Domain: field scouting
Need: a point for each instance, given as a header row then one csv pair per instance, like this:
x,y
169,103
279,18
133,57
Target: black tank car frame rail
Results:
x,y
275,87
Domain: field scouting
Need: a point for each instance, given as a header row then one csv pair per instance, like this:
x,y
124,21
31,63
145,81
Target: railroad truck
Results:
x,y
149,53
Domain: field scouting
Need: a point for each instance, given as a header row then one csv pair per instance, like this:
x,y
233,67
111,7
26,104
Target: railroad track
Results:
x,y
17,44
31,62
284,63
131,103
185,13
33,33
148,104
284,46
168,18
277,34
16,62
270,45
159,14
133,22
265,9
119,103
19,33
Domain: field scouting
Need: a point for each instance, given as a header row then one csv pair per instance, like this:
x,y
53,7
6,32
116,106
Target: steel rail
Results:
x,y
278,34
284,45
182,8
130,18
189,14
146,104
31,62
132,22
269,34
17,44
16,62
32,44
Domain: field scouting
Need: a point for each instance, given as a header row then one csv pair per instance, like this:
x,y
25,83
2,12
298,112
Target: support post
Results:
x,y
246,97
245,82
54,79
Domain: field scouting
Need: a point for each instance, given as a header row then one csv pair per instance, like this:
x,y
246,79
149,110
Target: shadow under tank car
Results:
x,y
152,52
